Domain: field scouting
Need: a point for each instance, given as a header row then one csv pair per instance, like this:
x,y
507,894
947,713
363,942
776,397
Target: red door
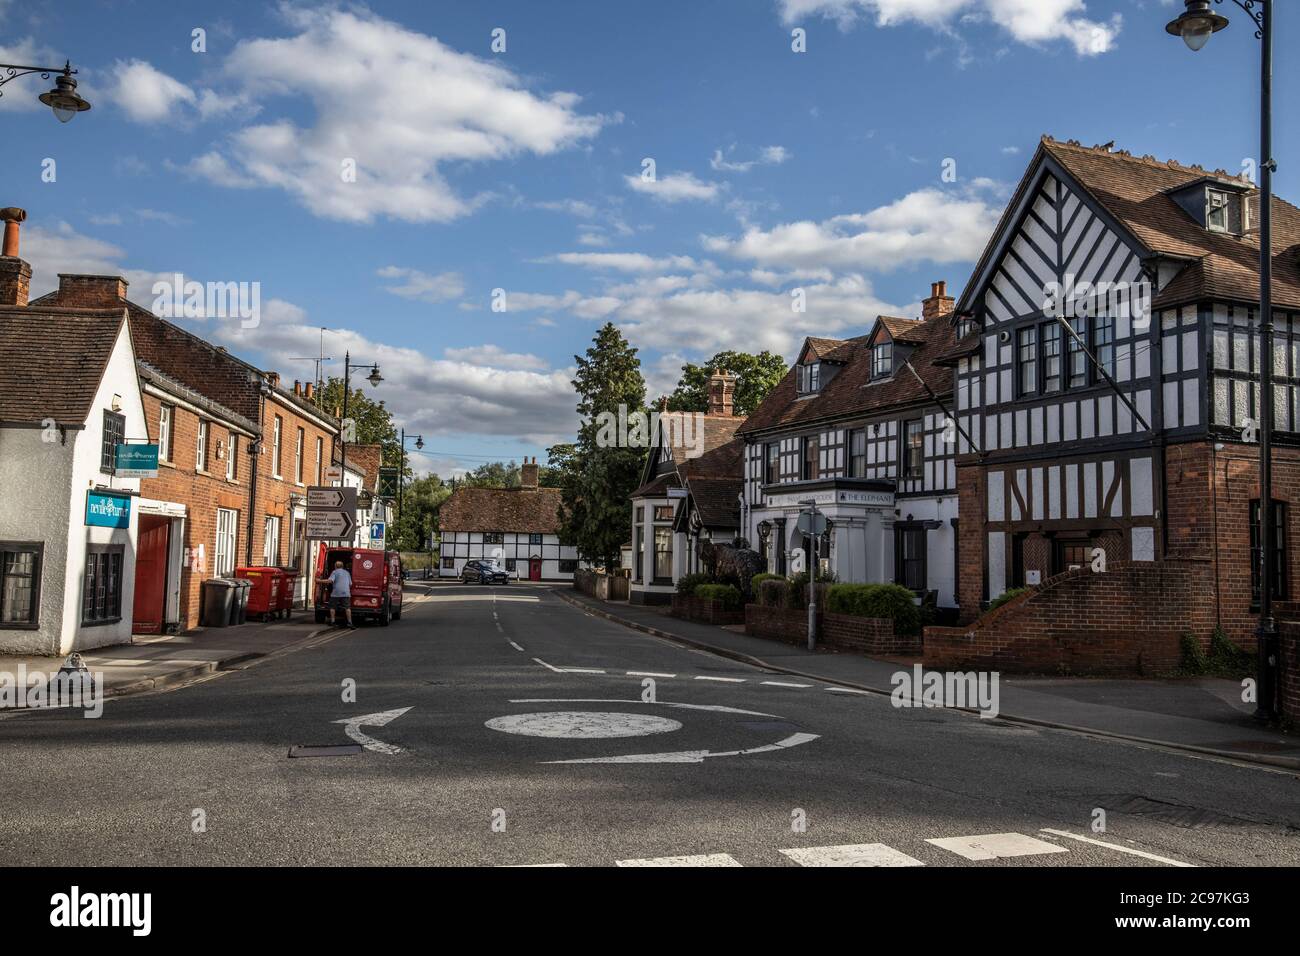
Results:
x,y
534,569
151,575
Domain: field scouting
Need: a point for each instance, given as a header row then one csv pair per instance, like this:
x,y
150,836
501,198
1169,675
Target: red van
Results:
x,y
376,583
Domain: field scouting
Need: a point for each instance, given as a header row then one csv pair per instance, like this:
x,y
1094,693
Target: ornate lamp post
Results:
x,y
374,378
401,468
1196,25
62,99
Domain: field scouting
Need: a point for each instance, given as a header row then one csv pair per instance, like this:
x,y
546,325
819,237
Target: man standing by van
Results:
x,y
341,593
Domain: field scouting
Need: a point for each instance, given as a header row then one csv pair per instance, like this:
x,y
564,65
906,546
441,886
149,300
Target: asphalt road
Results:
x,y
719,760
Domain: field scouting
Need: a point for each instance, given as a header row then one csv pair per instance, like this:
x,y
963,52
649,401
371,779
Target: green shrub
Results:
x,y
757,580
891,601
687,584
798,598
1227,659
728,595
1194,660
1006,596
774,592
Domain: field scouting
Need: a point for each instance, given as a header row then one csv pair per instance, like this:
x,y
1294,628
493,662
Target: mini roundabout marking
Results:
x,y
602,725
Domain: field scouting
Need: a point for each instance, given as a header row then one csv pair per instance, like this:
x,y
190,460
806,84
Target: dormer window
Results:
x,y
882,360
964,328
1216,211
810,378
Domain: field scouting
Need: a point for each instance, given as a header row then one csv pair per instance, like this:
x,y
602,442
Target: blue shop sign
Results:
x,y
105,510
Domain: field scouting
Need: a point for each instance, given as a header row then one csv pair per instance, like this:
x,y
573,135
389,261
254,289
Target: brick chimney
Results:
x,y
273,379
90,292
309,391
15,273
722,394
528,474
939,303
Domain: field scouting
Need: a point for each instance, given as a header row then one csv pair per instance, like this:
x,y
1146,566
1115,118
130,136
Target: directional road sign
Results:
x,y
322,498
331,525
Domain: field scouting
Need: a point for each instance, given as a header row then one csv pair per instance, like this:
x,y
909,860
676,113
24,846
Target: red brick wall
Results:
x,y
865,635
1128,619
972,542
692,608
1289,679
202,493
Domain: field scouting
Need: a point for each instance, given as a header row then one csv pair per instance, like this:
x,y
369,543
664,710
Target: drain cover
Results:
x,y
325,750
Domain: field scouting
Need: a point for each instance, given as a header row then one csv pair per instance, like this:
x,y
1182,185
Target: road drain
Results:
x,y
325,750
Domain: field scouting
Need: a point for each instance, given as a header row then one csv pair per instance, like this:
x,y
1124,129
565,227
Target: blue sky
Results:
x,y
523,170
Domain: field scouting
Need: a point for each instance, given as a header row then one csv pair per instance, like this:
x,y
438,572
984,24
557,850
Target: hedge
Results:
x,y
687,584
1006,596
727,595
891,601
773,592
757,580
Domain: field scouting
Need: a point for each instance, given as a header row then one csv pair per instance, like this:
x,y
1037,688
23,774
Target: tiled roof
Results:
x,y
165,382
658,486
851,391
717,500
1134,189
902,330
510,510
53,361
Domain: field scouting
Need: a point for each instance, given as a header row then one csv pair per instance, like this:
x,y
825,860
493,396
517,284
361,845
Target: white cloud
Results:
x,y
929,225
398,103
1028,21
768,156
623,261
675,187
494,355
28,51
146,94
422,286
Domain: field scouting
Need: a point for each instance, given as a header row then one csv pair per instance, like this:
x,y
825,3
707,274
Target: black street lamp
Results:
x,y
62,99
1196,25
401,468
374,378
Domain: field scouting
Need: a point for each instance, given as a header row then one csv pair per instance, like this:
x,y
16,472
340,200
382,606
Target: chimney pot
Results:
x,y
12,216
528,475
309,390
939,303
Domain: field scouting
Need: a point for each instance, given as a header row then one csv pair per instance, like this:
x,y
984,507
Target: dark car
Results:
x,y
482,572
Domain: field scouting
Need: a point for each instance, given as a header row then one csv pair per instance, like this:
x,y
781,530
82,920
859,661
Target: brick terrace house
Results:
x,y
689,493
69,397
1064,471
851,427
518,528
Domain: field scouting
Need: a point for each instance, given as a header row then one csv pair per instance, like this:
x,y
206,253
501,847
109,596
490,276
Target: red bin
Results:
x,y
264,598
288,585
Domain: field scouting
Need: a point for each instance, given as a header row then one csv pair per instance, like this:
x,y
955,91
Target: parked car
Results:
x,y
484,572
376,583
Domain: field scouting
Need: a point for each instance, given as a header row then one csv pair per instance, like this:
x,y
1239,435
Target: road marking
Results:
x,y
515,646
856,854
1116,846
995,846
547,666
781,683
716,708
647,674
847,690
353,727
580,670
695,756
706,859
725,680
583,725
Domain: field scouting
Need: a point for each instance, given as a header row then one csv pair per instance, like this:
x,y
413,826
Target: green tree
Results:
x,y
756,376
598,477
374,421
421,499
493,474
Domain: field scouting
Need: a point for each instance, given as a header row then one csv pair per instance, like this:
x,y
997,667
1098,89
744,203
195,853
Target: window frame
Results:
x,y
271,556
232,456
882,359
277,437
494,537
201,446
232,537
320,461
902,532
662,532
166,431
1280,577
90,601
1083,328
772,463
1027,362
809,458
1050,333
37,550
300,446
857,458
905,463
108,446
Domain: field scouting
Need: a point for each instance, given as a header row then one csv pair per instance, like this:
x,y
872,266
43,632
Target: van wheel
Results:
x,y
397,614
383,615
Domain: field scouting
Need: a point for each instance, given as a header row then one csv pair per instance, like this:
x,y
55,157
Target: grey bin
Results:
x,y
219,601
239,606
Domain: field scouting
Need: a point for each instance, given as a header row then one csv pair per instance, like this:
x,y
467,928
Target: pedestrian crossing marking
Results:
x,y
851,854
706,859
996,846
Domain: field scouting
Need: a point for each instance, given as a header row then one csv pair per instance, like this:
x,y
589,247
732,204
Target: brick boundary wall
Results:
x,y
1126,620
692,608
872,636
1289,679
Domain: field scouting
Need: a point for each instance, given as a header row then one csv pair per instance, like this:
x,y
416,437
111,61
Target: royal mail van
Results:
x,y
376,583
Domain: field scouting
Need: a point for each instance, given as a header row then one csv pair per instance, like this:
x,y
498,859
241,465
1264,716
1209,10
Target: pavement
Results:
x,y
503,726
157,662
1204,715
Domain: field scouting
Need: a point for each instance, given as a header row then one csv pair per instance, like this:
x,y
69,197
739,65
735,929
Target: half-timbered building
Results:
x,y
858,426
1129,435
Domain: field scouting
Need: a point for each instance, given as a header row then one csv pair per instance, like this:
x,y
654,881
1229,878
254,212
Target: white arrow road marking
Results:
x,y
696,756
353,727
1115,846
717,708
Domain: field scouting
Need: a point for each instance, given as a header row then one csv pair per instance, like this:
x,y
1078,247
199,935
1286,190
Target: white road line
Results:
x,y
1116,846
994,846
847,690
580,670
706,859
780,683
860,854
725,680
547,666
647,674
514,645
